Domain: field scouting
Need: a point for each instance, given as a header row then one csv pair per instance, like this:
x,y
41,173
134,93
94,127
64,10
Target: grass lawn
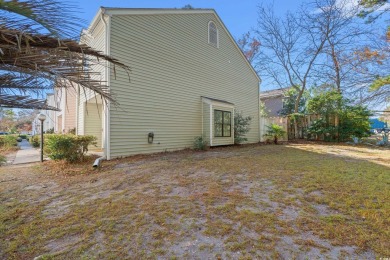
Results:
x,y
288,201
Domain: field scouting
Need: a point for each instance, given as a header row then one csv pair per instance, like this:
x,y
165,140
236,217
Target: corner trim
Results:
x,y
211,125
107,147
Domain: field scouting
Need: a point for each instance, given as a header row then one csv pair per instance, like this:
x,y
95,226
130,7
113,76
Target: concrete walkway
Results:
x,y
26,154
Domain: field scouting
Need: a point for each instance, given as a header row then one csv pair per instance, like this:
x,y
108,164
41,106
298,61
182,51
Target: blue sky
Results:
x,y
238,16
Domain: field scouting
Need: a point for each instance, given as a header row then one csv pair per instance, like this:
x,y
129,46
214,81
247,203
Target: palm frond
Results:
x,y
15,101
35,16
47,61
31,62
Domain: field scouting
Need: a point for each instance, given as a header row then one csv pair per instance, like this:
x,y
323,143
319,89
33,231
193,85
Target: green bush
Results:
x,y
35,141
72,131
3,160
200,143
8,141
23,136
50,131
353,120
241,127
321,130
71,148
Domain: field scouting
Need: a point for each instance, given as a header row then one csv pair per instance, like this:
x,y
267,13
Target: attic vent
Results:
x,y
213,34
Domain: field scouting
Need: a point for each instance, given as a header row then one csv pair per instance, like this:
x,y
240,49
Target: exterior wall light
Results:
x,y
150,137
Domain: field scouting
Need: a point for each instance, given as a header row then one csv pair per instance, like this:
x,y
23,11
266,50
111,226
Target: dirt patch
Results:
x,y
296,201
62,245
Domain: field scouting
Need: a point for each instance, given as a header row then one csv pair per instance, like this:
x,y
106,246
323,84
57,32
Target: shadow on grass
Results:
x,y
374,154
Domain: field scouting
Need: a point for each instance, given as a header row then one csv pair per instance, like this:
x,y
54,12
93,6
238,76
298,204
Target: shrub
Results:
x,y
72,131
320,129
338,120
354,122
35,141
241,127
200,143
3,160
67,147
50,131
275,131
23,136
8,141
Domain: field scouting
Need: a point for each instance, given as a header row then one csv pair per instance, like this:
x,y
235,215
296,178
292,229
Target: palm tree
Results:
x,y
37,53
275,131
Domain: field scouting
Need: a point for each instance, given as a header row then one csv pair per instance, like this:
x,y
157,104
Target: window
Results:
x,y
213,34
222,123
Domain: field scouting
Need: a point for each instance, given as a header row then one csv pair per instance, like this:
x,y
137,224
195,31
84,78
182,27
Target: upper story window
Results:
x,y
213,34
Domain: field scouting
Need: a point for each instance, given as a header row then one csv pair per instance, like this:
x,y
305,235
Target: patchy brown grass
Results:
x,y
286,201
66,168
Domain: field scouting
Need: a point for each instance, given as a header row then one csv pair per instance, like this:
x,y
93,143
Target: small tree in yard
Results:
x,y
241,127
275,131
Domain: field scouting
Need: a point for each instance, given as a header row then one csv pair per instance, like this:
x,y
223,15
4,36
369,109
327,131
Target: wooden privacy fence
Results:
x,y
304,123
267,121
288,125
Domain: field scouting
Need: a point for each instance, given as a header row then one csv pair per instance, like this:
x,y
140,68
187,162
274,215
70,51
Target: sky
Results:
x,y
238,16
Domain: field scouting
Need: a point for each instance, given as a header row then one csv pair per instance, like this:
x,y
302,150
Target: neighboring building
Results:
x,y
62,121
273,100
188,77
66,101
50,121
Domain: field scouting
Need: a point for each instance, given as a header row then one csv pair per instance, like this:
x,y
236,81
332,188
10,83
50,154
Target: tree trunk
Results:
x,y
338,85
296,109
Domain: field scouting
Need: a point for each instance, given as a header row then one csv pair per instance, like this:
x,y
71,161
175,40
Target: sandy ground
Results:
x,y
181,204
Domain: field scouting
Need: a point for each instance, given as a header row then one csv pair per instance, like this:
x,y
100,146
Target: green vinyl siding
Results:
x,y
93,123
172,66
97,41
206,122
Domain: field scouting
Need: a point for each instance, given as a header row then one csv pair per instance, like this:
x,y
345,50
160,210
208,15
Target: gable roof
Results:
x,y
218,100
281,92
154,11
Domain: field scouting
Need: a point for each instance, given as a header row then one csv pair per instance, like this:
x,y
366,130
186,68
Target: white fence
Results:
x,y
267,121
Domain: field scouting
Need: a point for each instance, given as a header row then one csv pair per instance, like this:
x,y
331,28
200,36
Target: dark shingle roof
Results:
x,y
281,92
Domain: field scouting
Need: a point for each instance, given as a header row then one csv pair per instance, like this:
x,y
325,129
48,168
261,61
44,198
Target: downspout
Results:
x,y
98,162
107,146
77,108
211,125
258,110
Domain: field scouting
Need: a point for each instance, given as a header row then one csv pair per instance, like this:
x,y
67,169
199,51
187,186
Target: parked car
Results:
x,y
383,130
